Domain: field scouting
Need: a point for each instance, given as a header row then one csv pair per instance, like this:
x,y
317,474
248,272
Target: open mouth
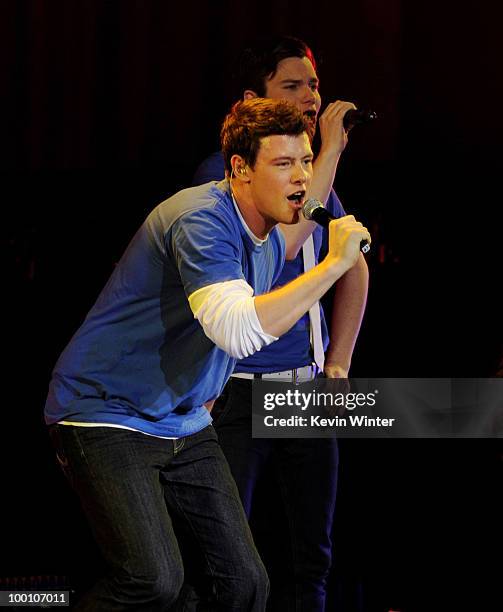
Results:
x,y
311,115
297,197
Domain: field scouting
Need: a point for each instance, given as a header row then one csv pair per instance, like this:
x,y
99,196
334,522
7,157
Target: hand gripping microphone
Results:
x,y
355,116
314,210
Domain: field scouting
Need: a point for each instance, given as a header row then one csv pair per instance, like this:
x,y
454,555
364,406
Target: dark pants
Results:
x,y
304,472
137,491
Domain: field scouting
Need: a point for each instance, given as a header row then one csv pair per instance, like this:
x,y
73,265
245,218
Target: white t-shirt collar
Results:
x,y
255,239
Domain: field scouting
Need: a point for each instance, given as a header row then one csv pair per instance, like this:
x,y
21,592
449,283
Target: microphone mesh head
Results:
x,y
309,206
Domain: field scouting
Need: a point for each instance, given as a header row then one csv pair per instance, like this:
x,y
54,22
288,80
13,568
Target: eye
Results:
x,y
283,164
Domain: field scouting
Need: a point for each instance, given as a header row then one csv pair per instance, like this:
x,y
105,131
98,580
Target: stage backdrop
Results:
x,y
106,108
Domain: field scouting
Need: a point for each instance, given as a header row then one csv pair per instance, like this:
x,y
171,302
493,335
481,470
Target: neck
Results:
x,y
258,224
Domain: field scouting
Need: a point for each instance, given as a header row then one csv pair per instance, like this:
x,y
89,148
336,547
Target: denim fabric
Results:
x,y
157,507
297,554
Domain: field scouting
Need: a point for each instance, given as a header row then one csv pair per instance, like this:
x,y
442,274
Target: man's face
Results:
x,y
278,182
296,81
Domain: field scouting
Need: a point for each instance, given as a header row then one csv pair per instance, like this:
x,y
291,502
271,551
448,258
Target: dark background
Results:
x,y
106,108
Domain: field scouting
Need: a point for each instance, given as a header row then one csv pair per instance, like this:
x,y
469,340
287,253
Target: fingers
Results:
x,y
334,136
346,235
336,110
349,223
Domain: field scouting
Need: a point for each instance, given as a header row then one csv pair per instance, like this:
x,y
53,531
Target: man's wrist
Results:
x,y
329,154
335,369
333,267
337,357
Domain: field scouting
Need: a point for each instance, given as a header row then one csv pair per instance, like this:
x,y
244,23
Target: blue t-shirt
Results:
x,y
293,349
140,359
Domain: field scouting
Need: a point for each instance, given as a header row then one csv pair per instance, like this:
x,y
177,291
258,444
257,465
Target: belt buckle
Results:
x,y
295,376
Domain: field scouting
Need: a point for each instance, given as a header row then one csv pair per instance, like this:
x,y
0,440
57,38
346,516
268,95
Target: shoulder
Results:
x,y
208,222
204,201
334,205
211,169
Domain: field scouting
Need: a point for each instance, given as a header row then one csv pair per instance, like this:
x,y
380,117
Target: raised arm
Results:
x,y
279,310
333,141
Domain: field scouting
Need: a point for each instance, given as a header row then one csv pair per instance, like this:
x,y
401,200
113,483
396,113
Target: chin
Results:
x,y
294,219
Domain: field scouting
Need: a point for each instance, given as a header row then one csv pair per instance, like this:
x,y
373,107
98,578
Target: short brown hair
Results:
x,y
258,62
251,120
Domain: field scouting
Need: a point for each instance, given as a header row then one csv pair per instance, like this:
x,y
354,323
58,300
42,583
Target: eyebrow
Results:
x,y
299,81
286,158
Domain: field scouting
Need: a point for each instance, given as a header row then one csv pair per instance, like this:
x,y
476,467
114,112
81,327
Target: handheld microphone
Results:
x,y
313,210
356,117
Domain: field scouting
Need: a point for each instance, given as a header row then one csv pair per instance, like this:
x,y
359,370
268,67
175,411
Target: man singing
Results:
x,y
126,405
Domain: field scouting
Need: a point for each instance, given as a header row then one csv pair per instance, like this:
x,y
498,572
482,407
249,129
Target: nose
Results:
x,y
300,174
309,96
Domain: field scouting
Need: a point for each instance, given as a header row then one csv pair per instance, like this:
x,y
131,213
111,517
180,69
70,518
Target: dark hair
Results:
x,y
259,62
251,120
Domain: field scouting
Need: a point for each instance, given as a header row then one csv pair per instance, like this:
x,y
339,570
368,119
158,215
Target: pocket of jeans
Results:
x,y
221,406
61,455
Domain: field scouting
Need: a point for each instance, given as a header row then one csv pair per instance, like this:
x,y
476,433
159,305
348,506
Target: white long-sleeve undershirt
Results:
x,y
226,312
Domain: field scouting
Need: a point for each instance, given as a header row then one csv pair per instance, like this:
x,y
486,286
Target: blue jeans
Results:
x,y
151,503
304,473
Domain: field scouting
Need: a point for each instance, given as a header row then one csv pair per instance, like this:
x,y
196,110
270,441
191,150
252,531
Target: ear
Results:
x,y
239,168
249,94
